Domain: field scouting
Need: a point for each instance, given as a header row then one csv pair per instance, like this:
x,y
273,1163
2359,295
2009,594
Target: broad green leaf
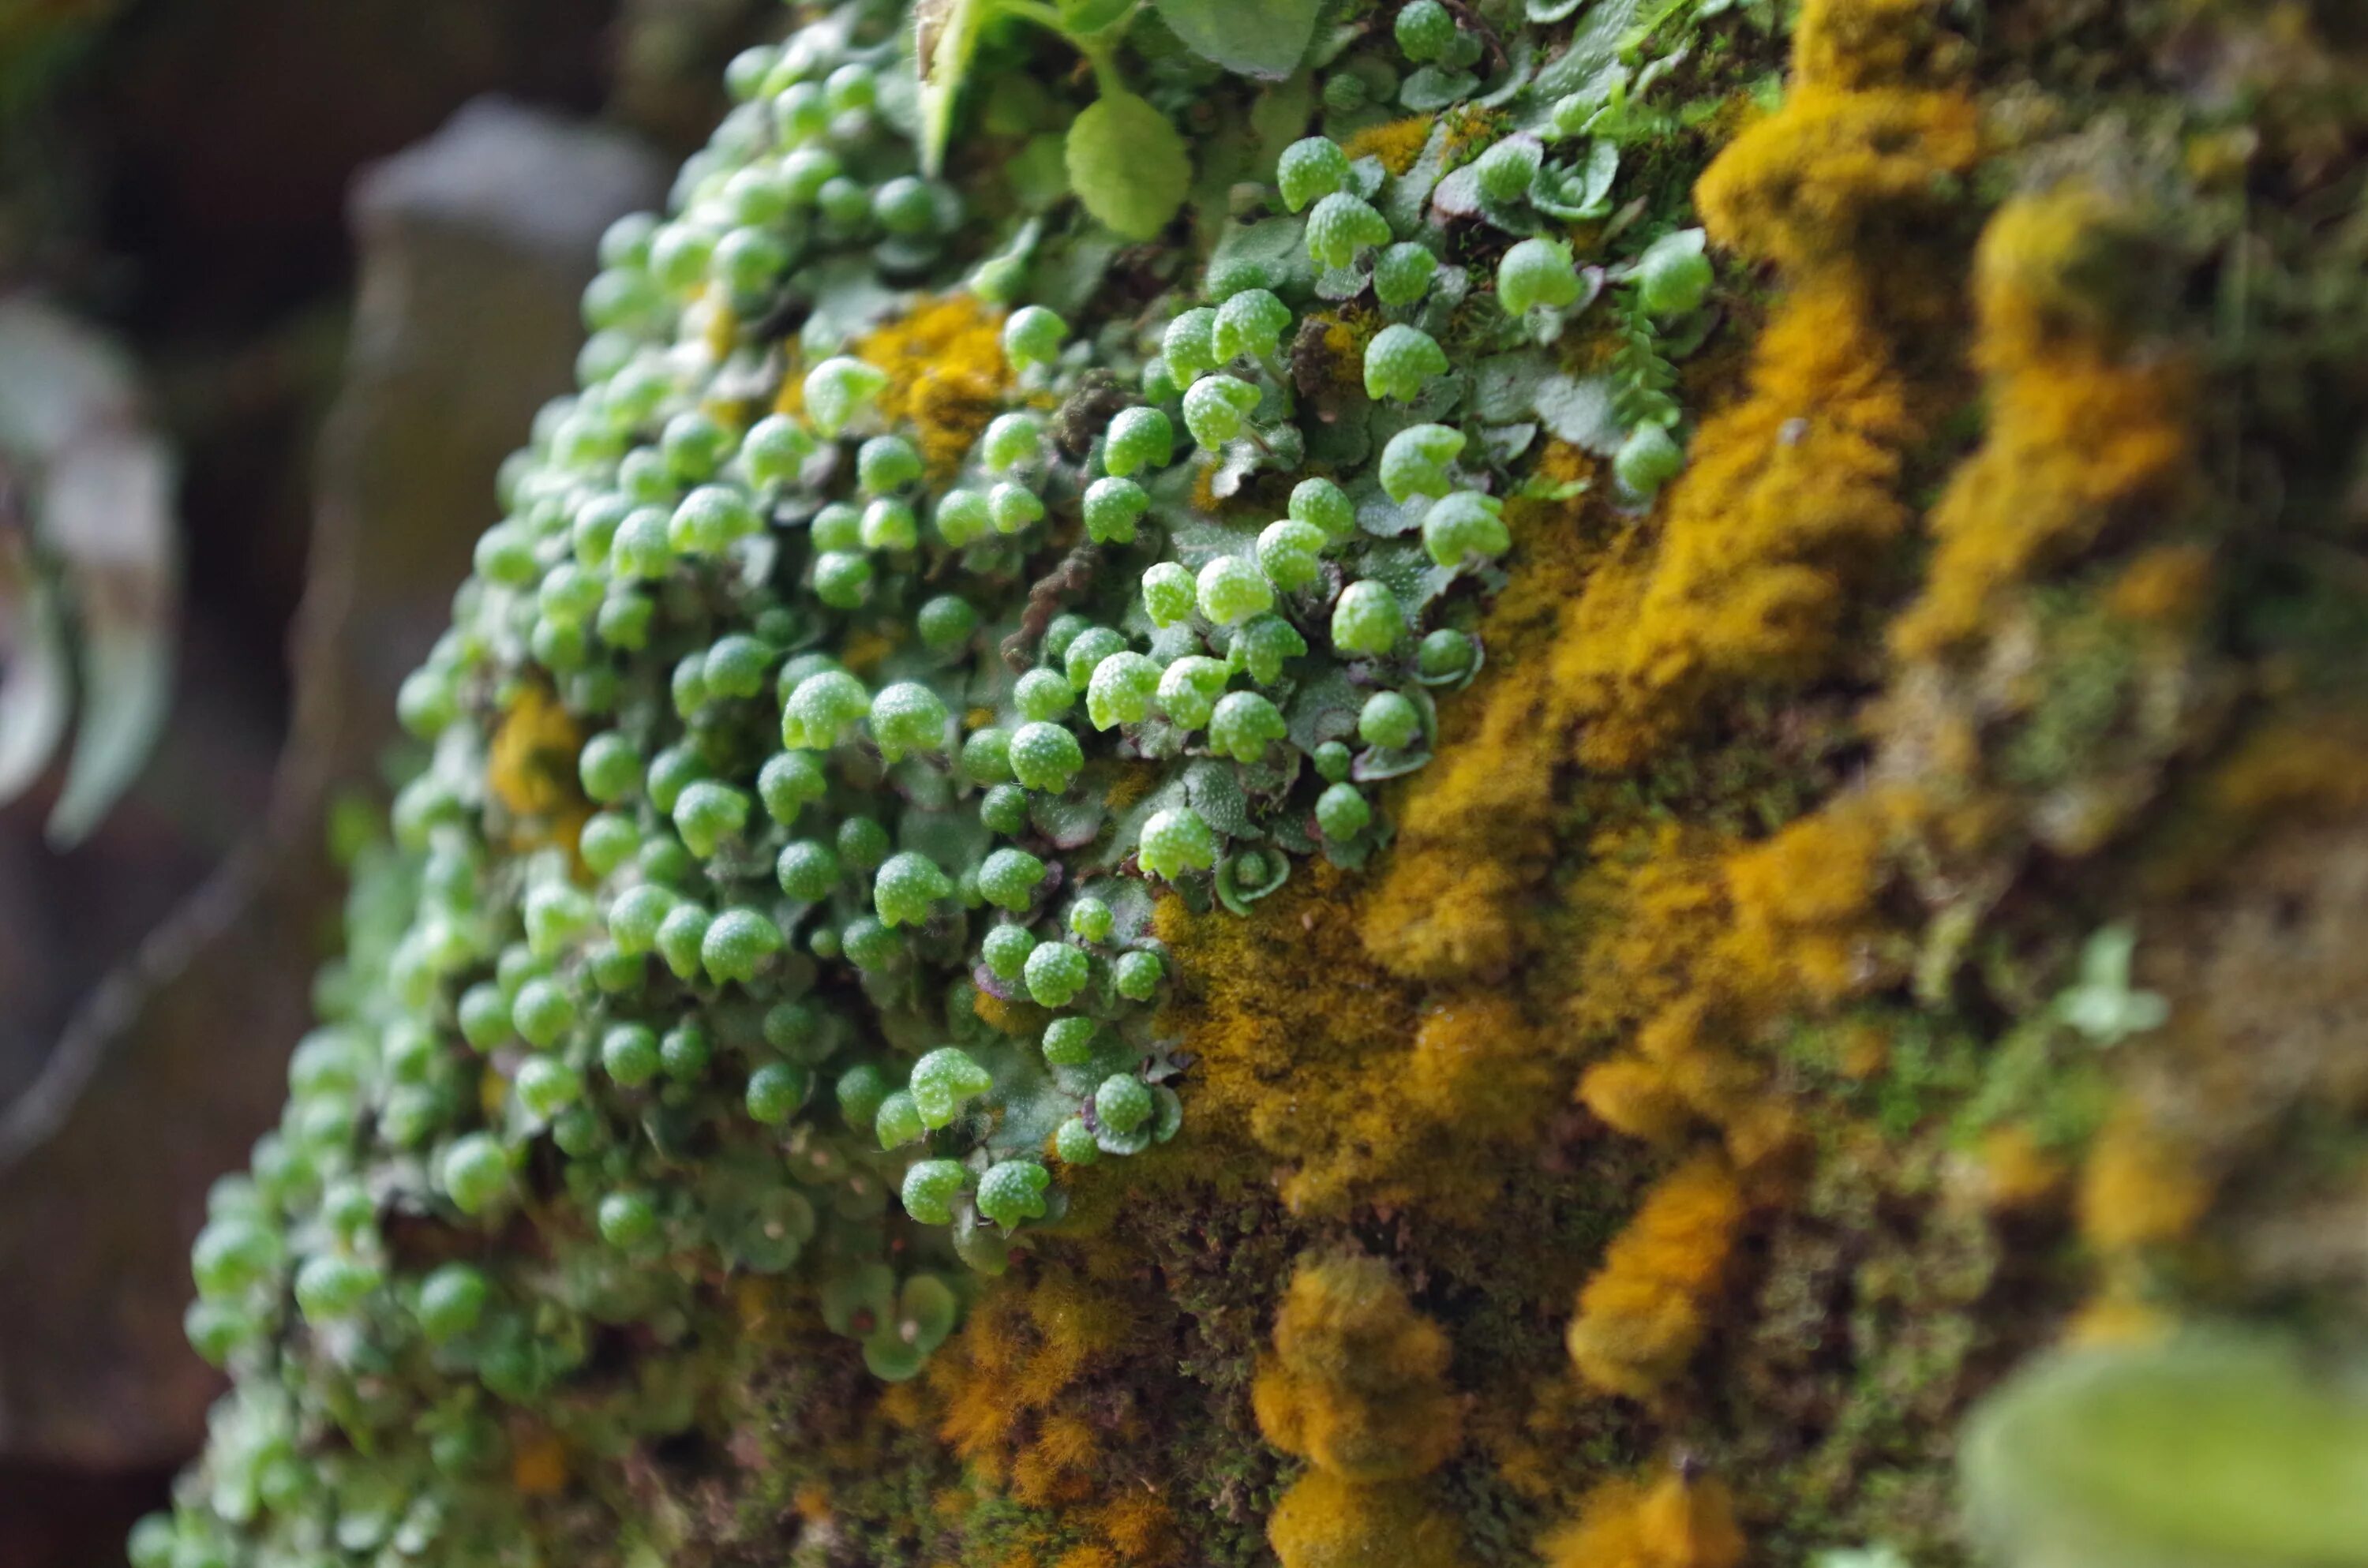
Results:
x,y
1128,165
1255,37
945,37
2212,1450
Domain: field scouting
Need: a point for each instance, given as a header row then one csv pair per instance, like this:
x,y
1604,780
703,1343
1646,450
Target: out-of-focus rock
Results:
x,y
475,245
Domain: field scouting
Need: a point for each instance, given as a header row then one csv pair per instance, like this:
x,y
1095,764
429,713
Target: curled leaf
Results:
x,y
1128,165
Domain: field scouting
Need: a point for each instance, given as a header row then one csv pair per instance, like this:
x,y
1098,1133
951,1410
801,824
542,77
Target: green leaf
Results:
x,y
1080,19
1552,10
1128,165
945,37
1256,37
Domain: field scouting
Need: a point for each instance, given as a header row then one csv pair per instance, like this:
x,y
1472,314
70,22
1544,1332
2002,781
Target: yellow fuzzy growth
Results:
x,y
1790,496
1854,45
1029,1404
2086,425
1786,498
2137,1190
1357,1085
1675,1522
1326,1522
530,767
1357,1384
1396,143
946,374
1475,828
539,1465
1804,920
1642,1316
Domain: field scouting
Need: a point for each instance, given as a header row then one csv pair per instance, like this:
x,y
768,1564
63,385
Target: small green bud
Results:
x,y
839,389
1415,462
1189,688
1243,723
1390,722
1009,878
1231,589
963,518
1090,918
789,782
1647,459
1045,756
627,1219
1013,1190
946,624
1069,1041
1366,618
1124,1103
1326,505
906,888
737,943
1137,974
1120,690
1034,335
1506,169
1138,439
930,1189
707,812
1398,361
943,1081
1174,841
986,756
1309,170
1342,812
1463,525
806,870
1342,225
1004,950
1010,439
908,719
452,1301
1111,505
1291,553
1673,275
1073,1143
1011,508
1534,273
1190,346
1055,972
1217,408
628,1054
775,1092
898,1120
1402,275
1251,323
473,1173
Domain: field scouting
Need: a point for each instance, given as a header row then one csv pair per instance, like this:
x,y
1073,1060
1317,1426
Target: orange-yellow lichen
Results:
x,y
2138,1188
530,764
1326,1522
1476,829
1310,1052
946,374
1676,1521
1357,1384
539,1465
2086,425
1642,1314
1396,143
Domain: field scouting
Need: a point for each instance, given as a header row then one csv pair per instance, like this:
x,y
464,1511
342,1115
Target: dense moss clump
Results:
x,y
1130,748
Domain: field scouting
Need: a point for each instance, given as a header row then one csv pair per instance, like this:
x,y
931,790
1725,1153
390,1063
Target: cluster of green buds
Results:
x,y
774,894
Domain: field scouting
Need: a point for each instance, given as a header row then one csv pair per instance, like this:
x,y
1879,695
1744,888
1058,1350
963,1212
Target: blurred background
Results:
x,y
281,284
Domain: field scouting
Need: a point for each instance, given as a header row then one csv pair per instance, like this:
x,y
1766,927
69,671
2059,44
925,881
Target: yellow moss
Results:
x,y
946,374
1674,1522
2168,587
530,766
2138,1188
1803,187
2117,1317
1641,1316
1857,44
1357,1384
1310,1052
1018,1019
2016,1173
1805,921
1326,1522
539,1465
1396,143
2085,429
1475,828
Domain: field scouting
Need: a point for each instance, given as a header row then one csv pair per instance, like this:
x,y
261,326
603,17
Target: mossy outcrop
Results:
x,y
1472,935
